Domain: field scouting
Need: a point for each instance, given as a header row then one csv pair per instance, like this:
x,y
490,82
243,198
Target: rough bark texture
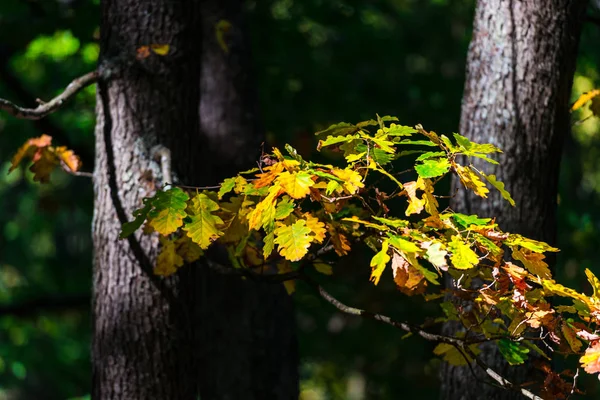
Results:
x,y
520,69
250,325
197,333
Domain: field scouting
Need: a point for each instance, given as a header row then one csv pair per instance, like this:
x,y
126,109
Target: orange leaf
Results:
x,y
70,159
29,149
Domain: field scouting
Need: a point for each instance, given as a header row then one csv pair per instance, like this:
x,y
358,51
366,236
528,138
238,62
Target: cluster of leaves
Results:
x,y
45,158
290,212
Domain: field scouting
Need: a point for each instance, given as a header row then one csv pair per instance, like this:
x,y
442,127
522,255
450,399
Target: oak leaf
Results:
x,y
168,210
293,240
203,228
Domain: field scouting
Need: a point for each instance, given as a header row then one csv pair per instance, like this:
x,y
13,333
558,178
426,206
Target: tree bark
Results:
x,y
196,333
520,68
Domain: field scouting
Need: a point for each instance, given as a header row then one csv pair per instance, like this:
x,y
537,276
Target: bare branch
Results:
x,y
46,108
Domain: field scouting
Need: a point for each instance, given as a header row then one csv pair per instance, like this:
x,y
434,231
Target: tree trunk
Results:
x,y
196,333
249,326
520,68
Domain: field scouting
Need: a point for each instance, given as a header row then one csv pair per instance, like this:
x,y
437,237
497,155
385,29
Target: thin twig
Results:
x,y
44,109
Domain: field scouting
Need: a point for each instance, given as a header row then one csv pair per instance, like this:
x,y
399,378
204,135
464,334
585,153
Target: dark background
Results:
x,y
316,62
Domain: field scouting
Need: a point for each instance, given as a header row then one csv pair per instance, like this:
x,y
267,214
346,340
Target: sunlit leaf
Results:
x,y
462,256
584,98
500,186
293,240
203,227
352,179
432,168
160,49
534,262
471,180
378,262
296,184
513,352
168,210
590,361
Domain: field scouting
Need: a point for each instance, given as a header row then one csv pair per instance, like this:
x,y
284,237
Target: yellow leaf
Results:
x,y
560,290
222,28
352,179
168,260
533,262
378,262
462,255
415,205
169,210
431,203
317,227
203,228
293,240
160,49
451,355
594,282
264,212
296,184
323,268
187,249
584,98
569,334
590,361
471,180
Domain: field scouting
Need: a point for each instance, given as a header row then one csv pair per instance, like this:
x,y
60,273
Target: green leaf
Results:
x,y
500,186
169,210
394,223
380,156
370,122
462,255
294,154
513,352
431,154
419,142
468,220
203,228
269,244
140,216
378,262
342,128
293,240
399,130
533,245
226,186
333,140
433,168
471,148
383,144
403,245
284,208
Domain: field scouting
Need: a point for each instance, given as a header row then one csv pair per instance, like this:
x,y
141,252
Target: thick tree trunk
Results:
x,y
250,326
197,333
519,73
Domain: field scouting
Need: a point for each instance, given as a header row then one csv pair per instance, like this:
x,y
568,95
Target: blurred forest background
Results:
x,y
316,62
